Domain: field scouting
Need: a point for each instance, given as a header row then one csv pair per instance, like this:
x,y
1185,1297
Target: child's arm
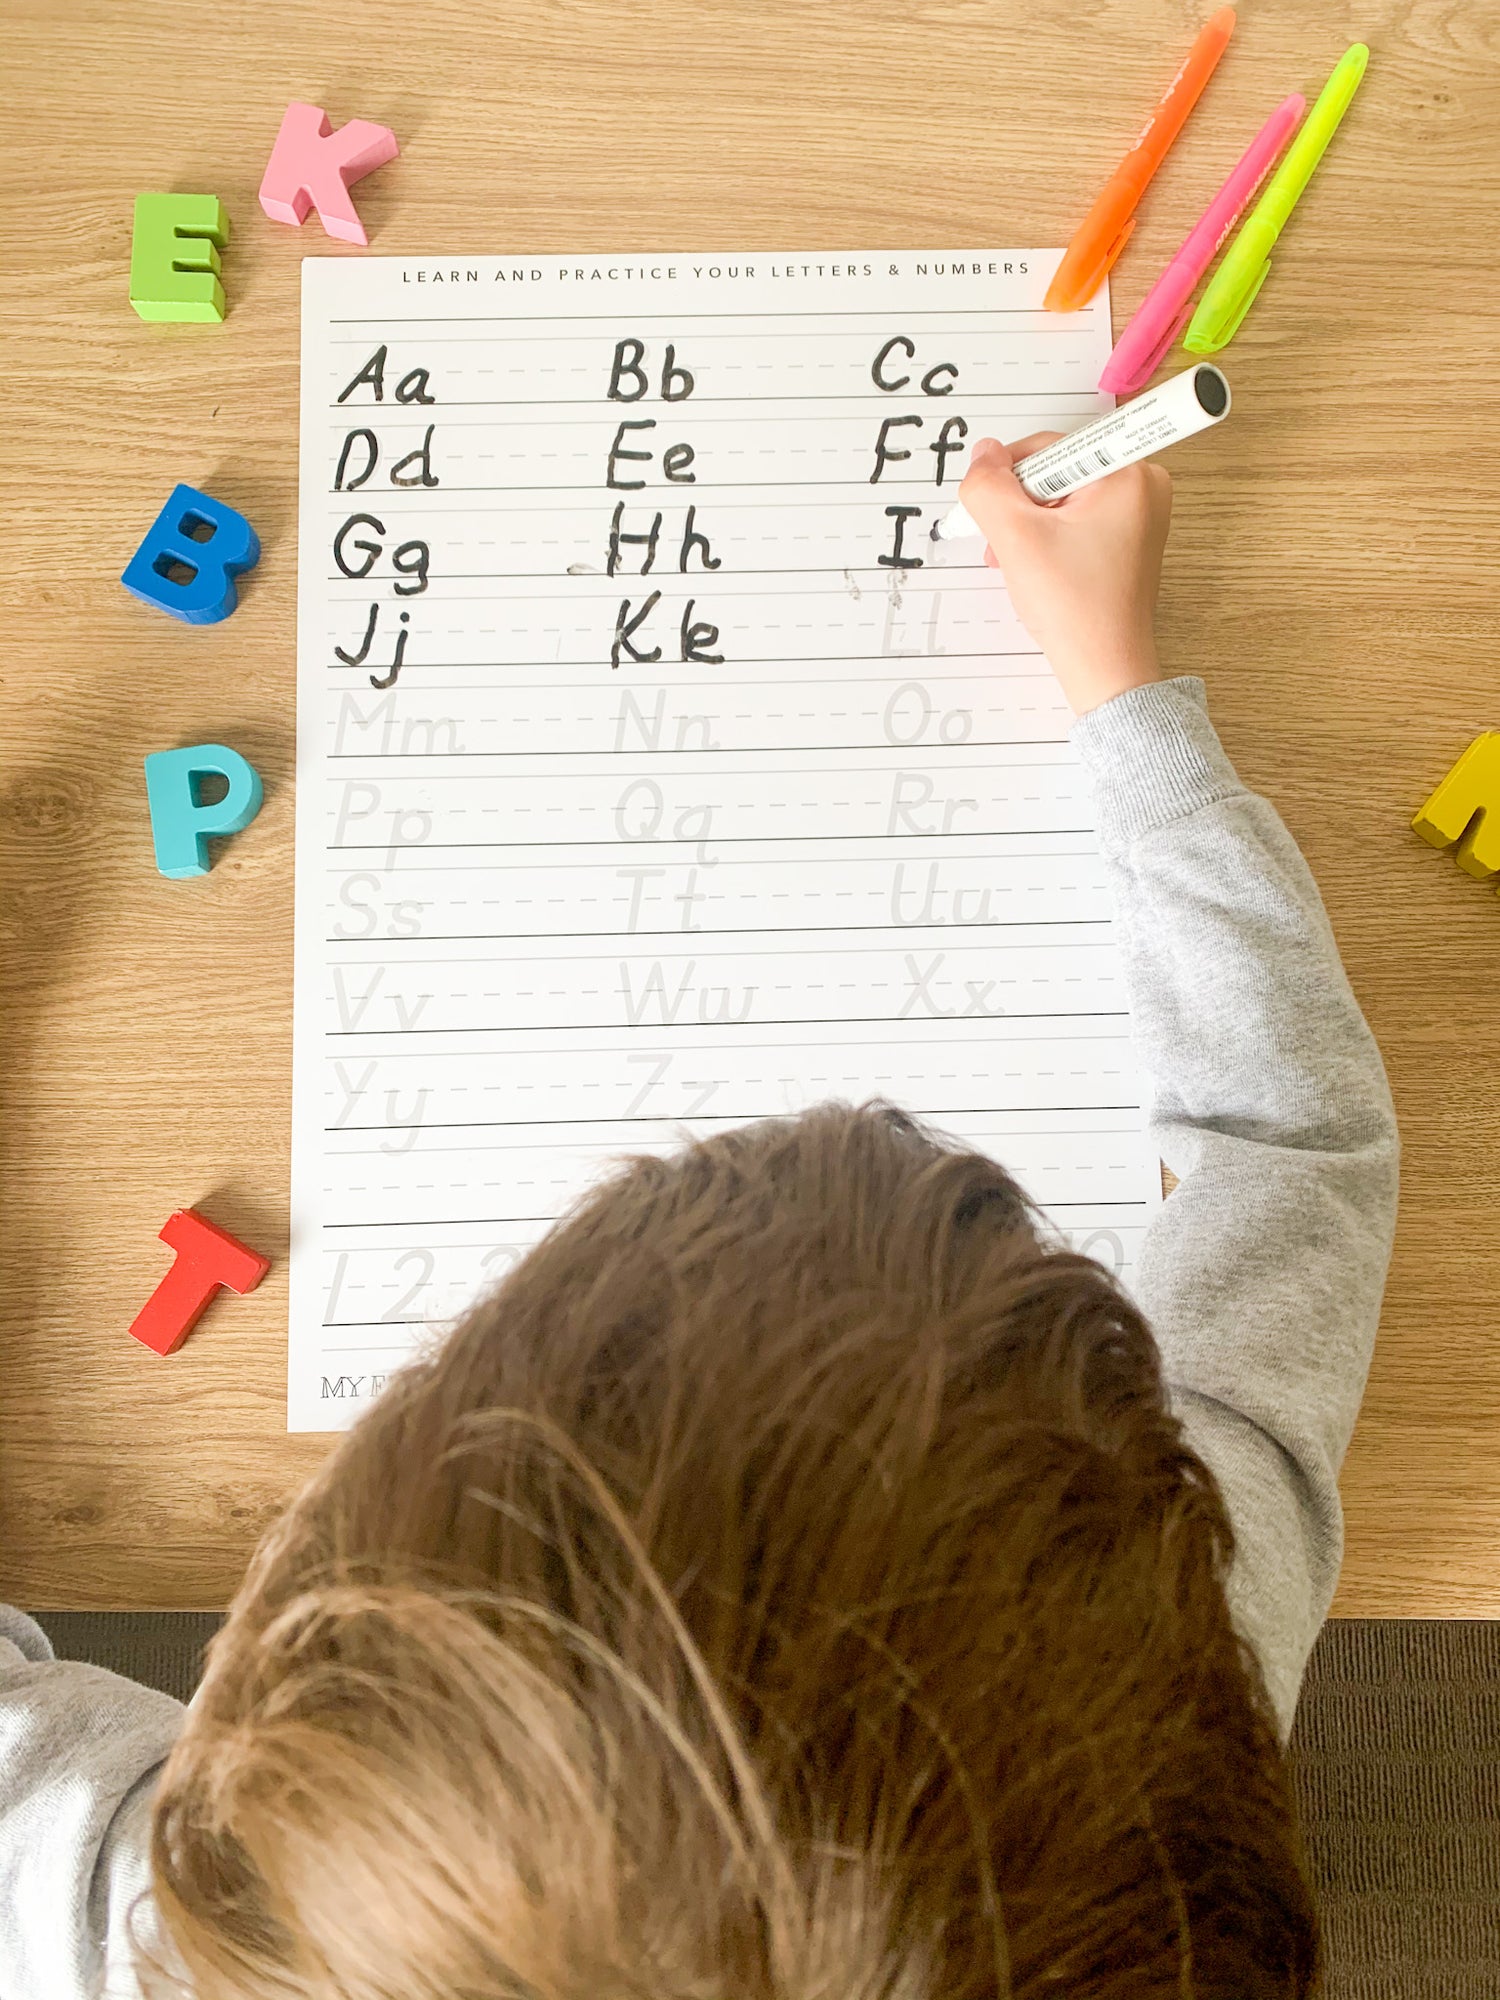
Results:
x,y
1262,1275
79,1751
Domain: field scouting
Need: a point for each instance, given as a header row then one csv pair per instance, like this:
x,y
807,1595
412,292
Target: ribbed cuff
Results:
x,y
1153,756
24,1634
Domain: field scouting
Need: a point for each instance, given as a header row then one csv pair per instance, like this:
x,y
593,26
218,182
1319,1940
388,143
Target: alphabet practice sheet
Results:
x,y
656,771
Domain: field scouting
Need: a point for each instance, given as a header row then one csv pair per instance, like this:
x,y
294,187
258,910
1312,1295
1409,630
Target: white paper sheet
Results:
x,y
575,879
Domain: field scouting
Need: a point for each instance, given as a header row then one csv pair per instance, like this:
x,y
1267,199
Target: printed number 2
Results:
x,y
1116,1249
427,1261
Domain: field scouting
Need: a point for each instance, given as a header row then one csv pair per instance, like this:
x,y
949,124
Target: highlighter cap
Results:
x,y
1207,336
1082,272
1091,255
1126,375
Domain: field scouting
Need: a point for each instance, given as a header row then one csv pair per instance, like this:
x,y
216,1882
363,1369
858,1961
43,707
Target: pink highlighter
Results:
x,y
1142,347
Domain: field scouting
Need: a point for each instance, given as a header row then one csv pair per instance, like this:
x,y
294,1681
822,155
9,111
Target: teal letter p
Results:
x,y
180,822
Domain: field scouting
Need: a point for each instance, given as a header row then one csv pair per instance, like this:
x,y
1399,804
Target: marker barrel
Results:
x,y
1190,402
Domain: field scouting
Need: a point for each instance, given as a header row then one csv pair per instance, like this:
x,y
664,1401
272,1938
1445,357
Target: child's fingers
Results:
x,y
990,489
1159,485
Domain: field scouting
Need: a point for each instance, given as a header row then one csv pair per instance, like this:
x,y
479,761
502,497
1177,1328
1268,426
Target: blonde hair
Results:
x,y
790,1582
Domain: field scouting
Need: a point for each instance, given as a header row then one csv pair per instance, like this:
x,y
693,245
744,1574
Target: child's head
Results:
x,y
789,1583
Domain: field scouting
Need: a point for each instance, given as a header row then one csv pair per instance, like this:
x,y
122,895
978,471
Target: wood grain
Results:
x,y
1333,572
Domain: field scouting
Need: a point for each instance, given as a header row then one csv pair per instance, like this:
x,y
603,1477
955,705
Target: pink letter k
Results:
x,y
311,166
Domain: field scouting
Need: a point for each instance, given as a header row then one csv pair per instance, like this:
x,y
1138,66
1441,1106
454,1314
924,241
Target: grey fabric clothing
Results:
x,y
79,1753
1262,1275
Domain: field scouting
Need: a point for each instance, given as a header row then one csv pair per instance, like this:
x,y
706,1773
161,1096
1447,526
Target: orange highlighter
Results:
x,y
1099,241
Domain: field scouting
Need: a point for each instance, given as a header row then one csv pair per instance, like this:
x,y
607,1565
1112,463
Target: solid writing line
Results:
x,y
905,1041
953,1111
445,319
600,409
616,759
720,576
363,1347
924,587
718,840
739,1117
698,487
430,497
730,749
438,1221
647,1029
509,1221
769,660
915,931
761,952
609,1146
605,405
665,1027
882,859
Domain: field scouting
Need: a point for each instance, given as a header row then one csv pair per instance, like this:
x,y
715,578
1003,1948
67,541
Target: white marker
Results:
x,y
1191,401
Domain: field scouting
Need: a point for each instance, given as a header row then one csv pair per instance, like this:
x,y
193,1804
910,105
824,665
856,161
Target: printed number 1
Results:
x,y
335,1288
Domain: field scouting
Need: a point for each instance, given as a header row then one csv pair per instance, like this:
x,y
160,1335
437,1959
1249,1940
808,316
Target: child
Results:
x,y
803,1578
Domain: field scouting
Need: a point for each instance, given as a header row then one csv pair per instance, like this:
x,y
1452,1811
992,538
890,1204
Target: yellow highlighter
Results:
x,y
1245,269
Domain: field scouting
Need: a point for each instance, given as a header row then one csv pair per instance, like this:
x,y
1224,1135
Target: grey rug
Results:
x,y
1397,1750
1397,1758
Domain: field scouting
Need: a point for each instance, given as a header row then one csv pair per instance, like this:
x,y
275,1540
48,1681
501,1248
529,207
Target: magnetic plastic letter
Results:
x,y
1465,809
174,256
312,166
180,823
207,1257
176,544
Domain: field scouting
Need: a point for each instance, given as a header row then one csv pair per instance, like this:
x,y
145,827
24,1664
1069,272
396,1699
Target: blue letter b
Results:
x,y
188,562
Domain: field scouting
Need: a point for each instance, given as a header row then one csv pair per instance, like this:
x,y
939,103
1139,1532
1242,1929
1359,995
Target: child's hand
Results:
x,y
1083,574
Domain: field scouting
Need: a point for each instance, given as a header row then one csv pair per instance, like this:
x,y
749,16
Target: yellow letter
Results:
x,y
1466,808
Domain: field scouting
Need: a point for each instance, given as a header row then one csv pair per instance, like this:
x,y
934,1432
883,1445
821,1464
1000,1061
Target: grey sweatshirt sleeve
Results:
x,y
79,1753
1262,1274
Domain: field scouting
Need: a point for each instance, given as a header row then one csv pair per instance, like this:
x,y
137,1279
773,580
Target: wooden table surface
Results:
x,y
1333,572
